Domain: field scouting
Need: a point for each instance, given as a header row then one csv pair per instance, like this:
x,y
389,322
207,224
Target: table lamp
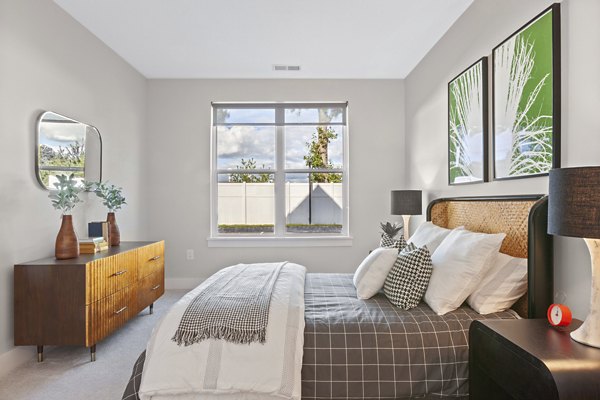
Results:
x,y
406,203
574,210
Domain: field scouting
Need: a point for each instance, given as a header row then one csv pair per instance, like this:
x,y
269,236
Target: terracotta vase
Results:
x,y
67,245
114,236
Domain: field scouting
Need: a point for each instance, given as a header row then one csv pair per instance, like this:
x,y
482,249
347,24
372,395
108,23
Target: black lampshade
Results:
x,y
406,202
574,202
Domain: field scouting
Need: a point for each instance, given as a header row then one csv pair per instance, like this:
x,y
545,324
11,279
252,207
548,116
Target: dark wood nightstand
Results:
x,y
529,359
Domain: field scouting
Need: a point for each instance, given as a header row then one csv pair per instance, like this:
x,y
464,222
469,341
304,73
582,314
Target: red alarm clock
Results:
x,y
559,315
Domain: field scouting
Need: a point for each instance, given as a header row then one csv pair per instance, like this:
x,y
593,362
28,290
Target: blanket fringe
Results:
x,y
187,338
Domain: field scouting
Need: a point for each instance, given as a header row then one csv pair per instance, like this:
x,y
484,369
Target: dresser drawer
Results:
x,y
151,259
150,288
108,314
109,275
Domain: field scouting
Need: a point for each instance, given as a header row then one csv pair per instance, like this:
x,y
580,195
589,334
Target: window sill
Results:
x,y
299,241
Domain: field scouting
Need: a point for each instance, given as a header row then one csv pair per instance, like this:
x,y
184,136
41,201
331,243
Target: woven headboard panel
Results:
x,y
524,220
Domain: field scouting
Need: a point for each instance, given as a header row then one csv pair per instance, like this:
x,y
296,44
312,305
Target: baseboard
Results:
x,y
182,283
15,358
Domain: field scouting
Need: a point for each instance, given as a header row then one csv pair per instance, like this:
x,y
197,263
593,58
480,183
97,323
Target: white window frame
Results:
x,y
280,237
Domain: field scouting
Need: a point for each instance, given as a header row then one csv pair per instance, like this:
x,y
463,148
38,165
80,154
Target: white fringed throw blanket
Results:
x,y
215,369
234,307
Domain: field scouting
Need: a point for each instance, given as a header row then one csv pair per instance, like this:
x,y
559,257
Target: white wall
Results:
x,y
49,62
485,24
178,172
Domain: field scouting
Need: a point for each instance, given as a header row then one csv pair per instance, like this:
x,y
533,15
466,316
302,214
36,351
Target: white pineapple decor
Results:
x,y
388,235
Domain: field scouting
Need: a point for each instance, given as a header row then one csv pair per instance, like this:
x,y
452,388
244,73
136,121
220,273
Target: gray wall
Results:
x,y
485,24
178,175
50,62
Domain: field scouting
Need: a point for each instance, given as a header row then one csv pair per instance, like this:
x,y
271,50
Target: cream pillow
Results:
x,y
502,286
371,273
459,264
430,235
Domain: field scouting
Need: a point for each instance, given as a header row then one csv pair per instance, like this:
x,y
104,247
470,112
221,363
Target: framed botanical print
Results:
x,y
526,99
468,125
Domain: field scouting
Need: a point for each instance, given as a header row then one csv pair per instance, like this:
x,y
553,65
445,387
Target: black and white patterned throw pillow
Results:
x,y
388,242
407,282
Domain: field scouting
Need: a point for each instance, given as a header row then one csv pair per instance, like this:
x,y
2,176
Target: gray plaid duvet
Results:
x,y
369,349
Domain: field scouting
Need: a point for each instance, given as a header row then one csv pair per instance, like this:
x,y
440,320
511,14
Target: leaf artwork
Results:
x,y
523,103
466,126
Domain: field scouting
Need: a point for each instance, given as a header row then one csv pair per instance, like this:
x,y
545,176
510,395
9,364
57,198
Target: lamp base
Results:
x,y
406,219
589,332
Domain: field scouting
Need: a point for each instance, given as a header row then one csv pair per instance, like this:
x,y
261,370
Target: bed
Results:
x,y
355,349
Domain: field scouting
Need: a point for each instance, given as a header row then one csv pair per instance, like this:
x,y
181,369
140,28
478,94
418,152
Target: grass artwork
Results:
x,y
467,125
525,132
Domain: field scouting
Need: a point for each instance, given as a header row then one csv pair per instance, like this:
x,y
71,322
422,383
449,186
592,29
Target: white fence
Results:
x,y
254,203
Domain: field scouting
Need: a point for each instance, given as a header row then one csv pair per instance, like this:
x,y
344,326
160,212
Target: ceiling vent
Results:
x,y
279,67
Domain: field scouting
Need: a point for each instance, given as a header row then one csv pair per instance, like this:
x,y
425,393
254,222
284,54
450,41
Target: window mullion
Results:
x,y
280,197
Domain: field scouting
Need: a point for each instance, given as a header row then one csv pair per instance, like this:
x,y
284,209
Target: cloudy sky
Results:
x,y
258,142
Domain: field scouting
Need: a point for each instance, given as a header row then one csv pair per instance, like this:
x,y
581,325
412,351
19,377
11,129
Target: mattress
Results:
x,y
370,349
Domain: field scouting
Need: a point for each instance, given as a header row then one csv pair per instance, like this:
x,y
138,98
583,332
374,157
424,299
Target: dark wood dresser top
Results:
x,y
86,258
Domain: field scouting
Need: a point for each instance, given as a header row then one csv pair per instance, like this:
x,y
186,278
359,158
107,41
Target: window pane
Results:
x,y
314,146
255,145
313,203
314,115
245,116
246,203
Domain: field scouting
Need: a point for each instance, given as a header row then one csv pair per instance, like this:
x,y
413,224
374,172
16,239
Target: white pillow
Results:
x,y
459,264
502,286
371,273
430,235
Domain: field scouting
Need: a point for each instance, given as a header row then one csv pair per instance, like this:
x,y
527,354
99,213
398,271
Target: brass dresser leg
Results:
x,y
93,353
152,308
40,353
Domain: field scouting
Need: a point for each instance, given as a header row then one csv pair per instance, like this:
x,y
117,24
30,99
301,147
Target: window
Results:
x,y
279,170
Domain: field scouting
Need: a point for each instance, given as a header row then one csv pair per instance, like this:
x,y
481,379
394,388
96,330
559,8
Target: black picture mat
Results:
x,y
556,91
484,119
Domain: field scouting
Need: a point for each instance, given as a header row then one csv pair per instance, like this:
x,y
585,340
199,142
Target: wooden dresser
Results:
x,y
82,300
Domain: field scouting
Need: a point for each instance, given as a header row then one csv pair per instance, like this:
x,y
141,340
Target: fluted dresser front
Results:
x,y
83,300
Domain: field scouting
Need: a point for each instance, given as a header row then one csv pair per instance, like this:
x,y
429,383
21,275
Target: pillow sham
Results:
x,y
430,235
459,264
370,274
388,242
502,286
406,283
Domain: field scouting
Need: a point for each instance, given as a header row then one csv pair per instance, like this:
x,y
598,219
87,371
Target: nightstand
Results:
x,y
529,359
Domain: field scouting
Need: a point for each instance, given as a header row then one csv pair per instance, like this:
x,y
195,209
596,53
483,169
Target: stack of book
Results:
x,y
92,245
98,229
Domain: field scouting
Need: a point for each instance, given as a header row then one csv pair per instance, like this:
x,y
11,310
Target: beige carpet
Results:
x,y
67,374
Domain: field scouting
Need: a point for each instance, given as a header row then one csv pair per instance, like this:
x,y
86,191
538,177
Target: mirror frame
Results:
x,y
37,146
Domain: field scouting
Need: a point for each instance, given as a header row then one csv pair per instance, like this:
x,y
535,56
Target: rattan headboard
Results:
x,y
524,219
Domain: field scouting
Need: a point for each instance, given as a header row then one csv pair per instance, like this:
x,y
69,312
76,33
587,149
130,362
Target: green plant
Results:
x,y
250,178
318,157
391,229
66,195
111,195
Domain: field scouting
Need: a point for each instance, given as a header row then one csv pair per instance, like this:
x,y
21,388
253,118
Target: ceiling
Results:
x,y
368,39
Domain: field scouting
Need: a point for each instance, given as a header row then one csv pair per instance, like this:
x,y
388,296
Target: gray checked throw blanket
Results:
x,y
234,307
